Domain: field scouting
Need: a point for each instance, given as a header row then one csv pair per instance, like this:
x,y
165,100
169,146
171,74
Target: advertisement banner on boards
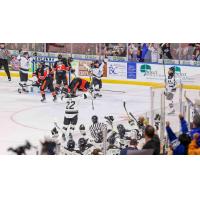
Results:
x,y
117,70
131,70
157,72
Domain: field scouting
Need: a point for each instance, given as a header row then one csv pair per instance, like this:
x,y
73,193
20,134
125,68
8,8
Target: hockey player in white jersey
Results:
x,y
97,74
23,71
171,89
71,112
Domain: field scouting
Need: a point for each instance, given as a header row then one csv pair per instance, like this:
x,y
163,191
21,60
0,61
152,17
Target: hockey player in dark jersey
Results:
x,y
79,84
61,67
45,78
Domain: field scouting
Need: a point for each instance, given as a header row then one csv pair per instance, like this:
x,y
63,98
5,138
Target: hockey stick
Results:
x,y
190,103
124,104
56,125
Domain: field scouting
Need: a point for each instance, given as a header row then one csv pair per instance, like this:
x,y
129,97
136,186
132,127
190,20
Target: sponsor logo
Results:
x,y
112,70
146,70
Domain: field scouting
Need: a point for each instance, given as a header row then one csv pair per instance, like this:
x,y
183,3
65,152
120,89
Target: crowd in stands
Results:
x,y
151,52
140,52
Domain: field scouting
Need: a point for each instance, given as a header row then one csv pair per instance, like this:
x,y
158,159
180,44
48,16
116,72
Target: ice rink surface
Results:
x,y
24,117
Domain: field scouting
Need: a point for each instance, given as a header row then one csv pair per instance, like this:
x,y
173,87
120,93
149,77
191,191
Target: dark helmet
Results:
x,y
59,56
82,143
111,140
25,53
121,130
70,144
70,59
82,127
172,70
94,119
96,62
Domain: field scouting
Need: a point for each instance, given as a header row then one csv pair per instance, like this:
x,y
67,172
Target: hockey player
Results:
x,y
4,60
45,77
97,130
71,112
171,89
79,84
85,145
97,73
23,71
61,67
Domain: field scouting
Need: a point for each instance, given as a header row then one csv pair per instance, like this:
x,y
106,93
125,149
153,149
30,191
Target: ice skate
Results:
x,y
54,98
43,100
171,112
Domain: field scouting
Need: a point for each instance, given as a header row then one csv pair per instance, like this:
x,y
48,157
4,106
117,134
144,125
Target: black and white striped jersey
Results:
x,y
97,131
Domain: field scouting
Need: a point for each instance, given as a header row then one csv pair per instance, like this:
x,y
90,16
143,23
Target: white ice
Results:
x,y
24,117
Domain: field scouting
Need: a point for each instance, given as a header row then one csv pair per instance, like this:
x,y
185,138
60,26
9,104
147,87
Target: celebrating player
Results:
x,y
45,76
171,89
71,112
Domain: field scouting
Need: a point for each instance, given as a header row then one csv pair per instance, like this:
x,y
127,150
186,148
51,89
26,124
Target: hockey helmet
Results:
x,y
111,140
121,130
82,143
70,59
25,53
94,119
71,144
59,56
82,130
82,127
171,70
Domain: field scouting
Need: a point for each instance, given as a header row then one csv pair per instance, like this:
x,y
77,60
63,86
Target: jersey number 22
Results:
x,y
70,105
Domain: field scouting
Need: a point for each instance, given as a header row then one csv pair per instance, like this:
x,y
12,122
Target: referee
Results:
x,y
97,130
4,59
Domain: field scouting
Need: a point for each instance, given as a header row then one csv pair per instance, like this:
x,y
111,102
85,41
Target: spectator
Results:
x,y
152,140
178,145
195,129
193,148
165,51
132,146
144,52
139,53
154,53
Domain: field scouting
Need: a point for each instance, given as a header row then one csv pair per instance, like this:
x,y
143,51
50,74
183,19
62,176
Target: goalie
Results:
x,y
171,89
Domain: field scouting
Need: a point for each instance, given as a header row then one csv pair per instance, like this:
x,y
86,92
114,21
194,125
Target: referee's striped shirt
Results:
x,y
97,130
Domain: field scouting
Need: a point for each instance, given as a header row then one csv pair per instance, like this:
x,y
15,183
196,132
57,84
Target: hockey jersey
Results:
x,y
97,72
171,84
72,106
24,64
